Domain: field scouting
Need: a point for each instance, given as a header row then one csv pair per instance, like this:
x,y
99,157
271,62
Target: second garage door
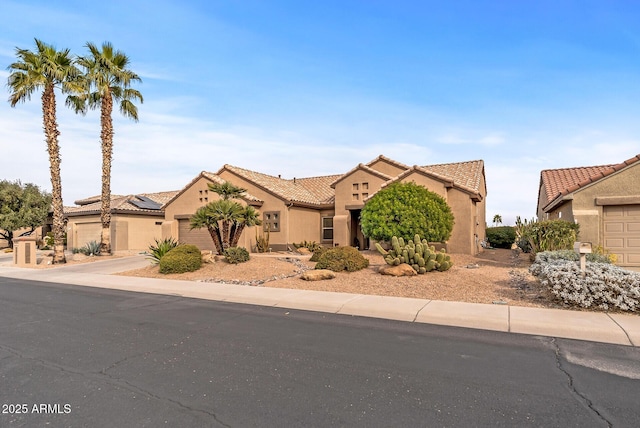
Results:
x,y
622,233
198,237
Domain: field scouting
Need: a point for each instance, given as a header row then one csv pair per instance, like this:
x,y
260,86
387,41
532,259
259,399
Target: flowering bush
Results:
x,y
604,285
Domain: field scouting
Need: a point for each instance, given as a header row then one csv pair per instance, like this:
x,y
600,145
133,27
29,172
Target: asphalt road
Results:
x,y
79,357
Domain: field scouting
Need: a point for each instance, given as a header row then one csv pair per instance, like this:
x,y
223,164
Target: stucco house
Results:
x,y
326,209
603,199
136,220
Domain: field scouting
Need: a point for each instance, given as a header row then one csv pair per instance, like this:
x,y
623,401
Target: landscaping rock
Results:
x,y
303,250
208,257
318,275
400,270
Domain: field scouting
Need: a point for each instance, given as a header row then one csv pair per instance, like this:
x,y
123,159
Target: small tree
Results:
x,y
404,210
21,206
225,219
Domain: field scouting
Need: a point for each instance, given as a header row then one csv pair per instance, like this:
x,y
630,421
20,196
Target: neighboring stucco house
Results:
x,y
326,209
136,220
604,200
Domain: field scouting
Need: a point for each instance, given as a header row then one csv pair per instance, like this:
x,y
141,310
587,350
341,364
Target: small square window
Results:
x,y
355,187
271,221
365,196
355,197
365,186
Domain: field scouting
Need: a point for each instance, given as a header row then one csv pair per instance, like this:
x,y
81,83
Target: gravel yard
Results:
x,y
496,277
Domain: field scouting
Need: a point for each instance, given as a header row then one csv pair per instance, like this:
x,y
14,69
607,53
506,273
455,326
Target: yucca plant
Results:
x,y
161,248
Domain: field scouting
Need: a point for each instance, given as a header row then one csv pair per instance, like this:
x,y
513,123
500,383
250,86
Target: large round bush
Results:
x,y
183,258
339,259
404,210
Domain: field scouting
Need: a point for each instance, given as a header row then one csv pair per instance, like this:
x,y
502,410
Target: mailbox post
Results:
x,y
582,248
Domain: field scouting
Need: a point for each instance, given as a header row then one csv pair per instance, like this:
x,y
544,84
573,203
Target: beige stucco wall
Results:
x,y
462,238
589,215
186,203
345,200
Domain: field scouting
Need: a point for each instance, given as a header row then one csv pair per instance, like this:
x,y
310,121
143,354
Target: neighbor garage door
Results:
x,y
87,232
622,233
198,237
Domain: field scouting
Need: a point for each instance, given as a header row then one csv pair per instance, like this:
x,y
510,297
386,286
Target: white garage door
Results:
x,y
198,237
87,232
622,233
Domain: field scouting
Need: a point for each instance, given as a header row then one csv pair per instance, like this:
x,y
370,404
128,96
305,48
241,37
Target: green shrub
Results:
x,y
501,236
547,235
160,249
317,253
342,258
406,209
235,255
183,258
91,249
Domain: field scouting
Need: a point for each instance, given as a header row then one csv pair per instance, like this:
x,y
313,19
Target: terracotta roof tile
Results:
x,y
561,182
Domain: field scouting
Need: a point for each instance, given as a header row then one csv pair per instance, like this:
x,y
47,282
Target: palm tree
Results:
x,y
225,219
46,68
107,81
250,217
497,219
227,190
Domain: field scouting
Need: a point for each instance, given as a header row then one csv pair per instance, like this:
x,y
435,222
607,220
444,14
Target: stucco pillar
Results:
x,y
24,251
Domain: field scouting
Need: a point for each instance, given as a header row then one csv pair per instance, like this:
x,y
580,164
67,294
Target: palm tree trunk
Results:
x,y
217,242
51,133
106,137
235,236
225,234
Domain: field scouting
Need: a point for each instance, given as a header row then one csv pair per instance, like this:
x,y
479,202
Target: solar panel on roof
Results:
x,y
145,203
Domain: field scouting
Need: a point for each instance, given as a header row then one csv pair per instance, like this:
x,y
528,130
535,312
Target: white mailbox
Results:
x,y
582,247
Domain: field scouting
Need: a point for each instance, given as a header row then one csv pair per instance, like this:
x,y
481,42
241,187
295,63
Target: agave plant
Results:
x,y
91,249
160,249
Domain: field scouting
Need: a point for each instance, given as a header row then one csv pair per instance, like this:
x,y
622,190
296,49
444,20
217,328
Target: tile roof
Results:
x,y
320,190
310,190
118,203
363,167
464,174
388,160
561,182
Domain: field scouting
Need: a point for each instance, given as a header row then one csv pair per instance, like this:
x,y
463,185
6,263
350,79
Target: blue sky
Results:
x,y
304,88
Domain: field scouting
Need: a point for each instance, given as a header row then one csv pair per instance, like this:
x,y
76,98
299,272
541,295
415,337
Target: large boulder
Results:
x,y
303,251
318,275
402,269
